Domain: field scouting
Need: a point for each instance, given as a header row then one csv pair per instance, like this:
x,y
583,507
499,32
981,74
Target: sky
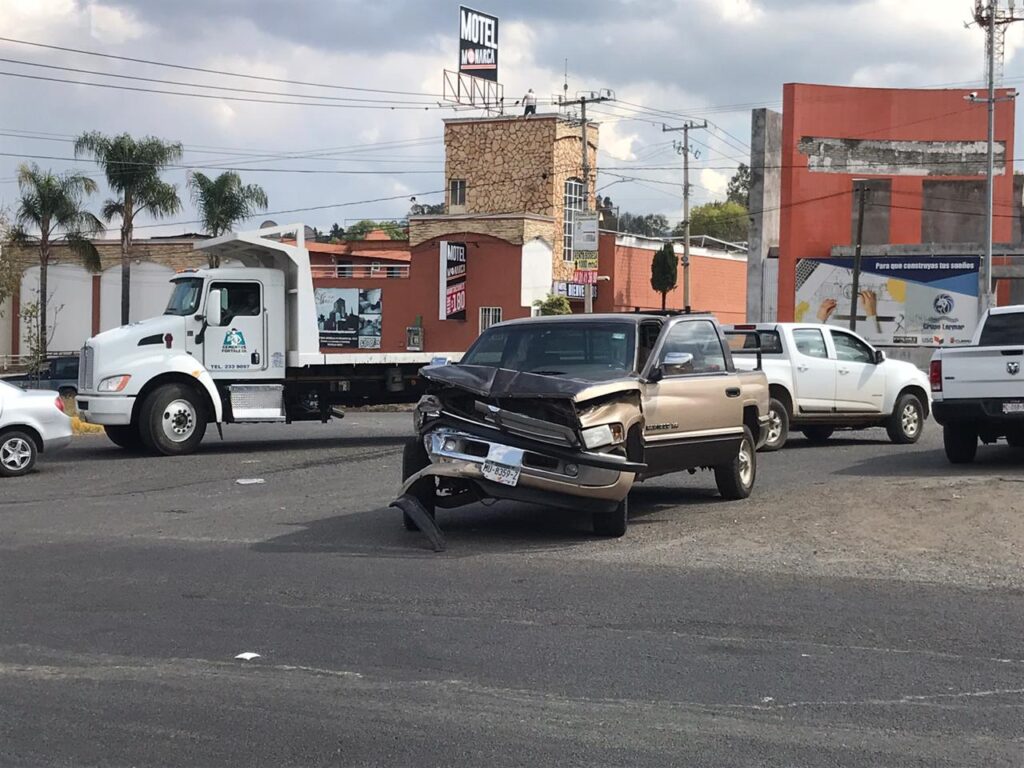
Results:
x,y
341,160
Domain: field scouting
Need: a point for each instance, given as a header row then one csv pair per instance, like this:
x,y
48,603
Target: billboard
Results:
x,y
904,300
452,281
349,318
478,44
584,245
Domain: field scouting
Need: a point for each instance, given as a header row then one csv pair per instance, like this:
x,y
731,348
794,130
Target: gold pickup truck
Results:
x,y
570,411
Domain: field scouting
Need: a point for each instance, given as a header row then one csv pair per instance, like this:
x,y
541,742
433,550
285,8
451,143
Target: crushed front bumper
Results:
x,y
539,474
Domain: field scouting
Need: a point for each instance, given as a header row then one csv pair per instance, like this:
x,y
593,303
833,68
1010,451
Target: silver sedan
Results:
x,y
31,423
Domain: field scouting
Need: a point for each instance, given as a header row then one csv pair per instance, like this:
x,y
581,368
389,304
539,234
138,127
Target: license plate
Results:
x,y
500,473
1017,407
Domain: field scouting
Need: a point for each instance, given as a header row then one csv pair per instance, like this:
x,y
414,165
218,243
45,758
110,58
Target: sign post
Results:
x,y
584,253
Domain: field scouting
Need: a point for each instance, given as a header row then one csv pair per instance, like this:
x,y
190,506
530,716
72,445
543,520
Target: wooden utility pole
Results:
x,y
684,150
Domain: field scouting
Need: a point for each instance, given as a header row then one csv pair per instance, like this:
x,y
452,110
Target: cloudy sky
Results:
x,y
712,59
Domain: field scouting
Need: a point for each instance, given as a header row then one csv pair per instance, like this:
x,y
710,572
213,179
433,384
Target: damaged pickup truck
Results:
x,y
570,411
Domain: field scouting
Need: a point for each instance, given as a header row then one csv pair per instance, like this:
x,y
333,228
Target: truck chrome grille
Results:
x,y
85,369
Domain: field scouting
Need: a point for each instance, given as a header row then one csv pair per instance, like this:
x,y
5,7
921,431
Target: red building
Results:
x,y
921,154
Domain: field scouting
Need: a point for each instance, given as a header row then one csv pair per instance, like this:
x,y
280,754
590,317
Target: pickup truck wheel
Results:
x,y
818,435
735,480
612,524
414,458
126,437
778,426
960,442
172,421
907,420
18,453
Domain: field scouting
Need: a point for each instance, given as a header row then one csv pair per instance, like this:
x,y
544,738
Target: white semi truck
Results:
x,y
236,344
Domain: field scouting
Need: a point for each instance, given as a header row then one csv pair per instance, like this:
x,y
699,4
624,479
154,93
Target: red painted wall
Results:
x,y
815,212
716,285
493,279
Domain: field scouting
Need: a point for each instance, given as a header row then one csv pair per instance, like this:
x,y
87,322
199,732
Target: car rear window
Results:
x,y
771,344
1003,330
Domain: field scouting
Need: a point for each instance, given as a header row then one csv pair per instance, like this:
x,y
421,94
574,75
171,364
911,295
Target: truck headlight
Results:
x,y
114,383
606,434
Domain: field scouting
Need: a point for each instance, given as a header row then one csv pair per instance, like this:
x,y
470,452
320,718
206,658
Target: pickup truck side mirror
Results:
x,y
671,359
213,313
879,357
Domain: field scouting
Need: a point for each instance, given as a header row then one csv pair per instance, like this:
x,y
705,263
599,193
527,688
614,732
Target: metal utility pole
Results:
x,y
994,21
592,98
862,193
684,150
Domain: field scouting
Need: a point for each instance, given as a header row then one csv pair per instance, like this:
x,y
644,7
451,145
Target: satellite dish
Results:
x,y
268,223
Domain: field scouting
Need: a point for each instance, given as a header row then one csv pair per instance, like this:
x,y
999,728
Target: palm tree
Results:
x,y
53,205
132,167
225,201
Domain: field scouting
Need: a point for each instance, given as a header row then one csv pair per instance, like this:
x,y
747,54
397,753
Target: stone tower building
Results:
x,y
516,165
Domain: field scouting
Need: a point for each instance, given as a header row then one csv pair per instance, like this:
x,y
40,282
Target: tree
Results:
x,y
645,225
52,204
361,229
9,279
224,201
664,271
722,220
337,232
738,190
132,167
553,304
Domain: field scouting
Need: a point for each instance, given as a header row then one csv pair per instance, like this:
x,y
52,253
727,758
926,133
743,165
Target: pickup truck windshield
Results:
x,y
1002,330
592,351
185,297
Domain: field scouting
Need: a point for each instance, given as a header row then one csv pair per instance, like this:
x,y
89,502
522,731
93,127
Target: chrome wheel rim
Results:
x,y
774,426
15,454
746,463
178,421
910,419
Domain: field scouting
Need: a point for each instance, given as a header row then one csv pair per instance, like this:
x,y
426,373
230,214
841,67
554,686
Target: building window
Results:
x,y
488,317
457,193
572,202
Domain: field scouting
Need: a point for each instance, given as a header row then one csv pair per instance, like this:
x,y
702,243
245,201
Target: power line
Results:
x,y
216,97
189,68
213,87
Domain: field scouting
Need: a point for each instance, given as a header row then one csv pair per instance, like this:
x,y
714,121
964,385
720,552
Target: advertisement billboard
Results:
x,y
584,245
904,300
349,318
452,282
478,44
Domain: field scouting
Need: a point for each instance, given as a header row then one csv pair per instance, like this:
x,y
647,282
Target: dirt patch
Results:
x,y
967,531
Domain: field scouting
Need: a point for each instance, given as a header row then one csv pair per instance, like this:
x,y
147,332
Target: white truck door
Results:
x,y
860,382
814,372
237,349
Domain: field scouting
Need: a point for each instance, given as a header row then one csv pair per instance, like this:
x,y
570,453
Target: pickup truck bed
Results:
x,y
978,391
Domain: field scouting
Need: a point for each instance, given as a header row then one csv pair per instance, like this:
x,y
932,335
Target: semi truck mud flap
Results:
x,y
414,508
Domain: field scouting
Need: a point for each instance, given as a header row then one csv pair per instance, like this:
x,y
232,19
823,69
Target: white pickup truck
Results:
x,y
822,378
978,390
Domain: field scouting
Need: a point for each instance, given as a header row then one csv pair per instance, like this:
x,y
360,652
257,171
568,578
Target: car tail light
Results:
x,y
935,375
59,402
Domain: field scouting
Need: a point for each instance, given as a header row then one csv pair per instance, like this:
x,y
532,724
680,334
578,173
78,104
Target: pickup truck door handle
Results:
x,y
802,368
844,371
732,392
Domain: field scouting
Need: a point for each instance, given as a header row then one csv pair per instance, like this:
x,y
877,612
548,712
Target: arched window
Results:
x,y
572,202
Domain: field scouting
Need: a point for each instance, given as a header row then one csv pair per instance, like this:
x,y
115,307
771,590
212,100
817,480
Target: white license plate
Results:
x,y
500,473
1017,407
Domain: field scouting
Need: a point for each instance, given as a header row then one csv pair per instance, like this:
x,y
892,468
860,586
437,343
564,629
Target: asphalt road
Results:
x,y
128,585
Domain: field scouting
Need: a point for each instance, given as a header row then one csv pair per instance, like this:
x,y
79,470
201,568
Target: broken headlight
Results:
x,y
429,407
606,434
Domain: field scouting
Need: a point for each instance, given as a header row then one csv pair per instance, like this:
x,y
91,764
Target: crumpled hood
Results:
x,y
487,381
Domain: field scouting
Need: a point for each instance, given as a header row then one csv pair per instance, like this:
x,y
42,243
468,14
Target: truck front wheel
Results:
x,y
612,524
960,442
172,421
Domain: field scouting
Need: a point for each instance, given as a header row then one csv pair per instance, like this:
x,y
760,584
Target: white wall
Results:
x,y
69,307
536,276
149,293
